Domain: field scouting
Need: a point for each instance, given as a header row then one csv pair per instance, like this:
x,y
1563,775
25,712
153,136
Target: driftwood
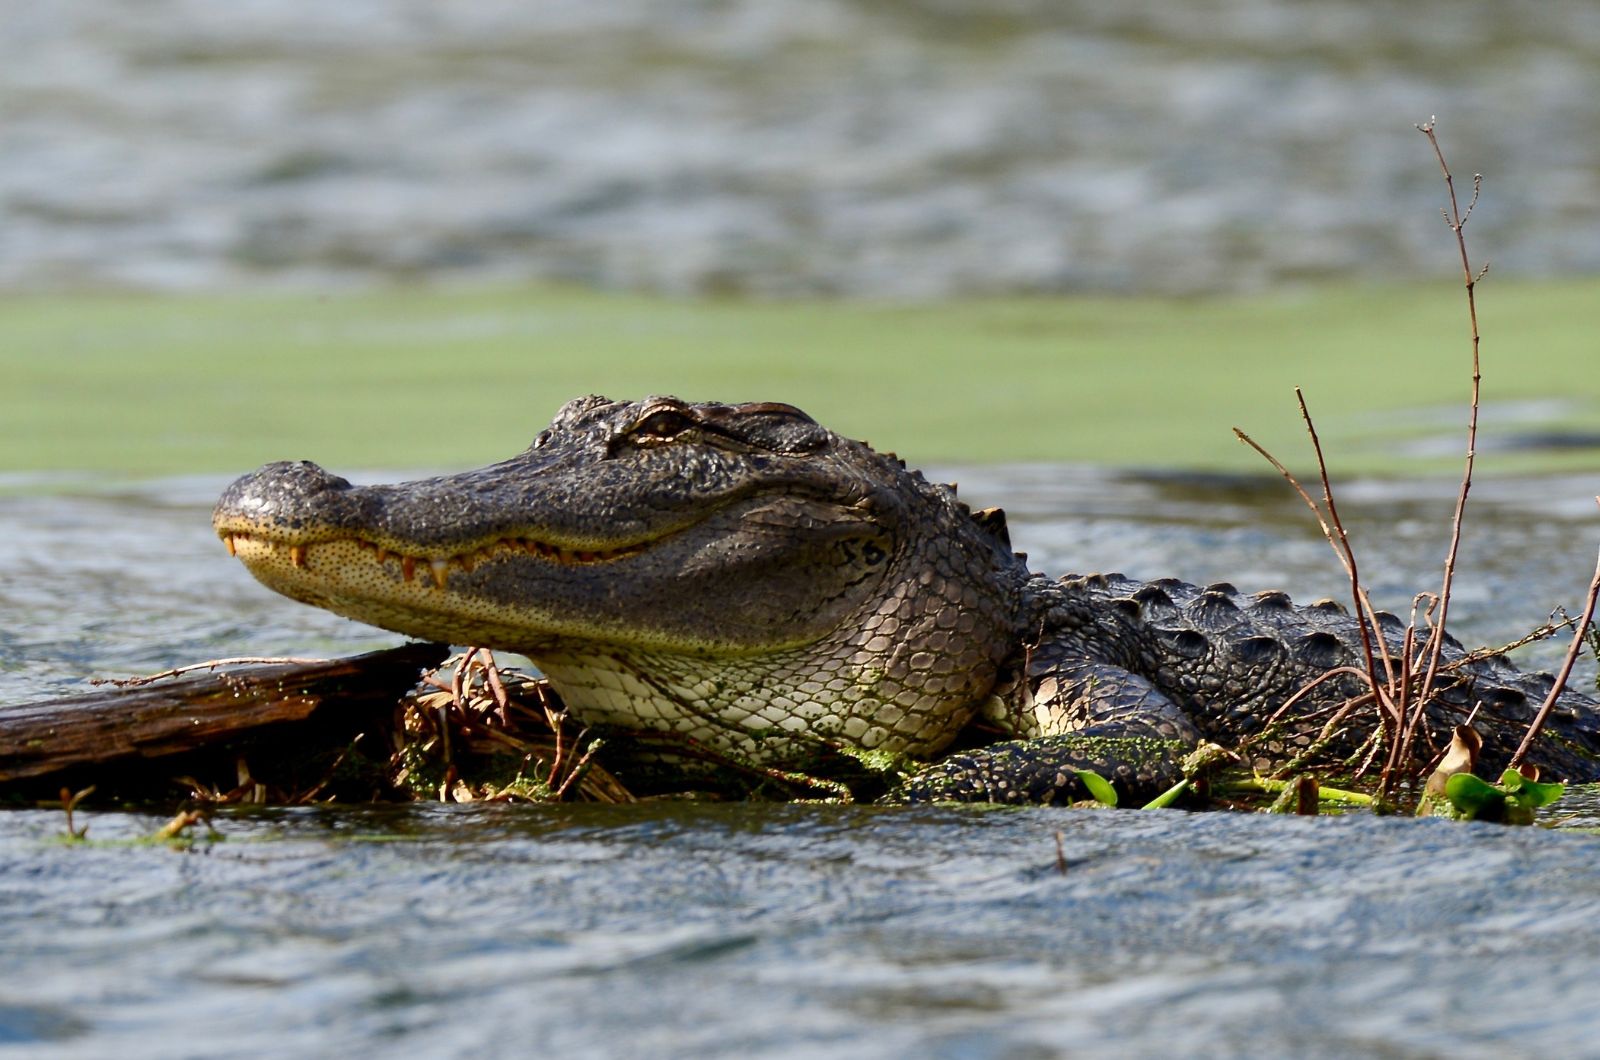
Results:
x,y
199,710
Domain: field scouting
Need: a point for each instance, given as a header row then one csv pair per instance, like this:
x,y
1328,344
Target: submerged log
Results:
x,y
197,710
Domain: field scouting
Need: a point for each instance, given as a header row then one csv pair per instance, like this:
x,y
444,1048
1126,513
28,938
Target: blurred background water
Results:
x,y
900,148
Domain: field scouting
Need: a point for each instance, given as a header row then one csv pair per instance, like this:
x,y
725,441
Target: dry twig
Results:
x,y
1565,672
1401,693
1457,221
177,671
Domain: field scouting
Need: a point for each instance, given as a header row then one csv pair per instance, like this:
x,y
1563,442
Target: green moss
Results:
x,y
521,787
432,378
883,763
1136,751
420,774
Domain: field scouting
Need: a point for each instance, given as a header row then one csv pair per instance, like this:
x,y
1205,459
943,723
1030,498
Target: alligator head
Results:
x,y
737,574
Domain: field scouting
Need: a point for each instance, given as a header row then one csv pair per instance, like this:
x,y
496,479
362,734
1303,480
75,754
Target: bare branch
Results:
x,y
1343,544
1435,645
129,682
1316,510
1573,651
1477,188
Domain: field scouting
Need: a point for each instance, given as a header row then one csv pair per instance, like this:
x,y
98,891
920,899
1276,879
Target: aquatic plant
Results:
x,y
1403,683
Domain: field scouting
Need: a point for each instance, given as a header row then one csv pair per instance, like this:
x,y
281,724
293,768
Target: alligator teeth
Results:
x,y
297,556
408,567
441,570
227,540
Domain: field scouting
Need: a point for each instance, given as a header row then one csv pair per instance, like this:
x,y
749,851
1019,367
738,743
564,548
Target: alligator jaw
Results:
x,y
435,594
727,579
257,550
426,596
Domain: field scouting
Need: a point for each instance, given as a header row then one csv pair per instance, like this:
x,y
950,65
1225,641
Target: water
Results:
x,y
694,930
783,931
916,148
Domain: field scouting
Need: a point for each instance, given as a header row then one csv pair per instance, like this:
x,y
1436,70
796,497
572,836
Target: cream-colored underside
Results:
x,y
766,708
869,690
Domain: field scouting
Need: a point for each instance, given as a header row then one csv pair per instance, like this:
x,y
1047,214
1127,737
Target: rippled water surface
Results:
x,y
742,930
691,930
913,148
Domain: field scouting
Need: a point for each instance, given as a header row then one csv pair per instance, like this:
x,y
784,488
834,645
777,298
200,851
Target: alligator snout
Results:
x,y
281,495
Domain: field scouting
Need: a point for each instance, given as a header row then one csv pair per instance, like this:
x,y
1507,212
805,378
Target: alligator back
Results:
x,y
1230,661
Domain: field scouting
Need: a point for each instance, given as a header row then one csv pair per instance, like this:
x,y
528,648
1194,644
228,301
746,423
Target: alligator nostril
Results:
x,y
270,491
301,473
298,476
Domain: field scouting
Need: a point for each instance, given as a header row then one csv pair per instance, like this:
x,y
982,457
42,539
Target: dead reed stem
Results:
x,y
1573,651
1401,694
1339,540
1457,221
1365,621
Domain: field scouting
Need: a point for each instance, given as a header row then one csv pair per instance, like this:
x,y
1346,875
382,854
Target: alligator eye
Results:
x,y
861,550
662,425
539,442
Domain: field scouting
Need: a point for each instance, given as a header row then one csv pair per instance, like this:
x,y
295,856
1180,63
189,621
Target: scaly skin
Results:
x,y
740,576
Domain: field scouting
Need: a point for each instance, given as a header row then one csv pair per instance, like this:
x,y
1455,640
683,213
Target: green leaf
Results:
x,y
1513,800
1473,796
1530,793
1098,787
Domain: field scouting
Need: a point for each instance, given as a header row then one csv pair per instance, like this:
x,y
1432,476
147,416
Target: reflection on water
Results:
x,y
909,148
689,930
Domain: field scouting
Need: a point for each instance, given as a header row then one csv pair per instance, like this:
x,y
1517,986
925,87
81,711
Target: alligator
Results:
x,y
740,578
